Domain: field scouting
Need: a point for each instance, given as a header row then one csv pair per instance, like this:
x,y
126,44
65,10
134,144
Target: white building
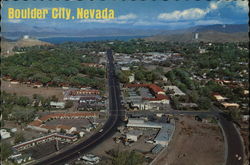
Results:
x,y
5,134
131,78
245,117
196,36
164,135
57,104
133,135
13,130
125,68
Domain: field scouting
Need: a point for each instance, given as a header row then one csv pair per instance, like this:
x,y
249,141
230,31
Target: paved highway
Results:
x,y
234,143
109,127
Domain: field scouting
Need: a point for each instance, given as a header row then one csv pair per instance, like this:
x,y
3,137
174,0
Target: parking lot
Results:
x,y
45,149
78,123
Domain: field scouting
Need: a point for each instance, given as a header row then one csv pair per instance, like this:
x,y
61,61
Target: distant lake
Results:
x,y
59,40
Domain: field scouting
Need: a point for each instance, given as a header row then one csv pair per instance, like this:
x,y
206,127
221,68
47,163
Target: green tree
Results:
x,y
204,103
128,158
23,101
69,104
5,150
19,138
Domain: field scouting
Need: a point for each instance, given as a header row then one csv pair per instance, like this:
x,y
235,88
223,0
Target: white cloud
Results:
x,y
188,14
243,5
15,20
127,17
197,13
213,5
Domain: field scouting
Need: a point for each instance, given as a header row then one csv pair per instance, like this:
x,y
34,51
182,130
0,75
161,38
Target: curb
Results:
x,y
242,142
225,143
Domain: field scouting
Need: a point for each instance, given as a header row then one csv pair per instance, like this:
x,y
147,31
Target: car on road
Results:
x,y
101,130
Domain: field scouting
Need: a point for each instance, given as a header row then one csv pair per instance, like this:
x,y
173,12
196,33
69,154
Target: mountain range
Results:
x,y
206,33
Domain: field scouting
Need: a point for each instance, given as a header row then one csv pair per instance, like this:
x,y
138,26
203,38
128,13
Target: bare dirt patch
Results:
x,y
194,143
25,90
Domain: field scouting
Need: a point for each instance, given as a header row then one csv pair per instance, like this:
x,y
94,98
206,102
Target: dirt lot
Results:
x,y
24,90
194,143
78,123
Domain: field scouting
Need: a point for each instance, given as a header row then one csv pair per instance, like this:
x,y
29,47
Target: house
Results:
x,y
125,68
246,92
14,82
230,105
218,97
201,51
131,78
37,85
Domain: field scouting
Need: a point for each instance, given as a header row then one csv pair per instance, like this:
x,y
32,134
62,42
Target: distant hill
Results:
x,y
226,28
7,45
209,33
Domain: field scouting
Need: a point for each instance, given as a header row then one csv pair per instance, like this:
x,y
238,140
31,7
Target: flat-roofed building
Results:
x,y
230,105
218,97
57,104
134,135
164,135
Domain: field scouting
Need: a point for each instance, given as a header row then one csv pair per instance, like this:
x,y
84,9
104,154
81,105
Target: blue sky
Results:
x,y
135,14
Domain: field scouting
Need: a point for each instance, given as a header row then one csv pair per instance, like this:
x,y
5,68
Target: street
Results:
x,y
107,130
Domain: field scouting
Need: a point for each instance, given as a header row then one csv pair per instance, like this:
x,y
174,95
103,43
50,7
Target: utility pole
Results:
x,y
57,145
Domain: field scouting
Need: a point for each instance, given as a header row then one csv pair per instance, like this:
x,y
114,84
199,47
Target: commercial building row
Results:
x,y
44,139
